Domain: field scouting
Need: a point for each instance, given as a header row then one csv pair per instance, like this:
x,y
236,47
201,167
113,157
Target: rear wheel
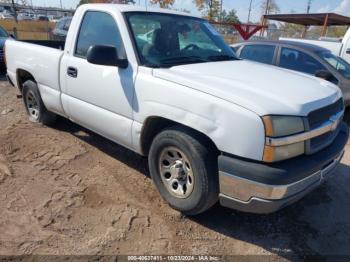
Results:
x,y
184,170
35,107
347,115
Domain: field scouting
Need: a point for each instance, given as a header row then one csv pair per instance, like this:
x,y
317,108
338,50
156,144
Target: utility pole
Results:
x,y
250,10
221,4
309,2
61,4
14,10
267,7
263,18
308,6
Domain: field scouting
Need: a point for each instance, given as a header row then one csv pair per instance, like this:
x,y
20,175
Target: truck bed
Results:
x,y
42,60
48,43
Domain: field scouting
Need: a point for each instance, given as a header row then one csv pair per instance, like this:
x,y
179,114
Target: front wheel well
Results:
x,y
22,77
154,125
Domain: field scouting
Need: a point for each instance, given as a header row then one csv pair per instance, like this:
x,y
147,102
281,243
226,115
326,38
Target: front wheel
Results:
x,y
184,170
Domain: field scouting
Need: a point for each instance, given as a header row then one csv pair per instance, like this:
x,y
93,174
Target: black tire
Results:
x,y
34,105
203,162
347,115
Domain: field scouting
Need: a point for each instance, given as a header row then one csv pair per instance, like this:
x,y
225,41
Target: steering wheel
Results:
x,y
193,46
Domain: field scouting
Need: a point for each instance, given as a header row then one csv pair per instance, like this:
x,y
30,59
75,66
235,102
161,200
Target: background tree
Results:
x,y
332,31
163,3
291,30
210,8
82,2
273,8
230,16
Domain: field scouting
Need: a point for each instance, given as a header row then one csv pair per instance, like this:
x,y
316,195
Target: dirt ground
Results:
x,y
65,190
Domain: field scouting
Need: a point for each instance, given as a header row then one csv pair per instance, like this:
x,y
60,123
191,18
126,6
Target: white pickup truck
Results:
x,y
214,127
338,48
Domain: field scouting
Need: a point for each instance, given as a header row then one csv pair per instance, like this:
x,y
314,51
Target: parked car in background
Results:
x,y
302,57
6,16
61,29
214,127
3,37
339,48
54,19
24,17
42,18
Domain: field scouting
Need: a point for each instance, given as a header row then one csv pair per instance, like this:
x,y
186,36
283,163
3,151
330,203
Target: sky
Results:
x,y
298,6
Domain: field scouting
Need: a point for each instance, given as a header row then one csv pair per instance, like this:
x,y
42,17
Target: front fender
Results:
x,y
232,128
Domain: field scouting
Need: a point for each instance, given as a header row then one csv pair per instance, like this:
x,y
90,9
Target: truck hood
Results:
x,y
260,88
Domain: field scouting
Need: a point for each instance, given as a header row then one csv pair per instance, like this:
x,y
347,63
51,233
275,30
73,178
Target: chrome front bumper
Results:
x,y
241,194
244,187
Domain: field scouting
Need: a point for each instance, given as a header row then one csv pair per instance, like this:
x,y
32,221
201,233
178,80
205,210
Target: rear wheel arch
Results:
x,y
22,77
155,124
34,105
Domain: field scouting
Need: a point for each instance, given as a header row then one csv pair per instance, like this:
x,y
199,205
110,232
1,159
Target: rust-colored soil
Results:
x,y
65,190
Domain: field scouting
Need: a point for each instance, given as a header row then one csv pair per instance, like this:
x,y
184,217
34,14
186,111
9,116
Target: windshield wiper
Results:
x,y
182,60
222,58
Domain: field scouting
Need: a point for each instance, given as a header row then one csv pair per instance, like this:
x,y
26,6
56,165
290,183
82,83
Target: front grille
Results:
x,y
319,140
316,119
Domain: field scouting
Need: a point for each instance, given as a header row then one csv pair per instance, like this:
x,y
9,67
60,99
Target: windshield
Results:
x,y
165,40
337,63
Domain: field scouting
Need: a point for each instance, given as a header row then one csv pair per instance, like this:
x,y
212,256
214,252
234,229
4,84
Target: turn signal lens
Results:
x,y
282,126
274,154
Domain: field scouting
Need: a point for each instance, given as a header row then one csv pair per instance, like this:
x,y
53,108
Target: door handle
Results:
x,y
72,72
348,51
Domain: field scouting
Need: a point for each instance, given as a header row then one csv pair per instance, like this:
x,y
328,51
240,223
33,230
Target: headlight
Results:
x,y
280,126
276,126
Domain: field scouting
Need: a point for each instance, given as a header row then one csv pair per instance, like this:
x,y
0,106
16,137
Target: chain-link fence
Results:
x,y
231,35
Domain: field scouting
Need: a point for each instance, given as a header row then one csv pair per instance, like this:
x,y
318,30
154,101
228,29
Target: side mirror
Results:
x,y
326,75
105,55
12,36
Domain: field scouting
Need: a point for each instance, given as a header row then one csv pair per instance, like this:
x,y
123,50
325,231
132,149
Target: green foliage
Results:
x,y
82,2
230,16
332,31
292,30
210,8
272,8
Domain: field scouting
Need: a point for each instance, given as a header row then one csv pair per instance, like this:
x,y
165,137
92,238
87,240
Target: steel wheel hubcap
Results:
x,y
32,105
176,172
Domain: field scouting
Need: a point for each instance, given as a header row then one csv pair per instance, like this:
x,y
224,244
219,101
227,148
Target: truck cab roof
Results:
x,y
135,8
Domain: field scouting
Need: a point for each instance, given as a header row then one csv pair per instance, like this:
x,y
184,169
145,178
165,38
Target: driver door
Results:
x,y
99,97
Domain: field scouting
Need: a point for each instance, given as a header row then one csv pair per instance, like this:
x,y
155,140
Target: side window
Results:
x,y
235,48
67,24
60,24
299,61
259,53
98,28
